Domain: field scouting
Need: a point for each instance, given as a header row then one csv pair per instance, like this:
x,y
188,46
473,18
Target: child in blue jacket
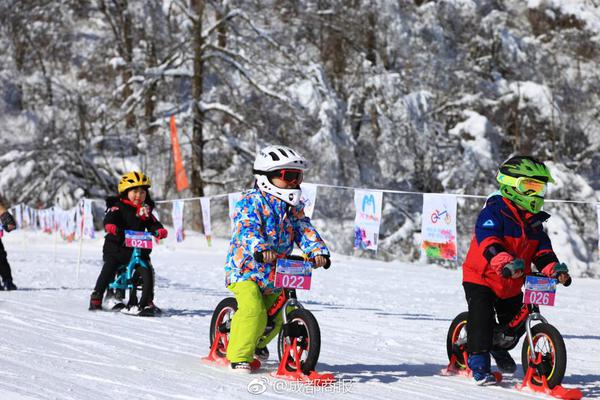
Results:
x,y
268,219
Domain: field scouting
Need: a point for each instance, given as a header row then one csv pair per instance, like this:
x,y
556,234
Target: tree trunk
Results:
x,y
197,185
128,56
222,29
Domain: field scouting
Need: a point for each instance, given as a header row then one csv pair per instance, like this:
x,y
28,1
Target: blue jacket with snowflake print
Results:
x,y
263,222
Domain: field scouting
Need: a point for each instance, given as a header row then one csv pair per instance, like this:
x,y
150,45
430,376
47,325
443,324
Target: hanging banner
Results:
x,y
598,212
368,218
88,220
205,207
26,217
233,199
177,215
18,215
309,196
438,226
181,180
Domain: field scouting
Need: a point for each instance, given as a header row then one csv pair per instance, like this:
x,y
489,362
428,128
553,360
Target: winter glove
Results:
x,y
558,271
143,212
161,233
322,261
507,266
554,268
111,229
500,260
514,269
8,222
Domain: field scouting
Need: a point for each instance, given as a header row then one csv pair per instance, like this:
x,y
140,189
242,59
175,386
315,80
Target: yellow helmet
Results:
x,y
133,179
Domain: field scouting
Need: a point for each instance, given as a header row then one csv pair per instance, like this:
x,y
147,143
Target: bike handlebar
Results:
x,y
258,256
507,274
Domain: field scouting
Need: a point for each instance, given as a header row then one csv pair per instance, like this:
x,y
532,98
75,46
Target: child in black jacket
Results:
x,y
8,224
131,210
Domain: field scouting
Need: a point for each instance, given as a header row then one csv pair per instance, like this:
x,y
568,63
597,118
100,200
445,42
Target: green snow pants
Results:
x,y
249,321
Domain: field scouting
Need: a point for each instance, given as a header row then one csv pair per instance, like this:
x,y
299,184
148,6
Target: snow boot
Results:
x,y
241,367
113,301
261,354
480,365
504,361
9,285
95,301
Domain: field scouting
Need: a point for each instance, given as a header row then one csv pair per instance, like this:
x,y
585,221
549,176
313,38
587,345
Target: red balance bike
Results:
x,y
299,340
543,356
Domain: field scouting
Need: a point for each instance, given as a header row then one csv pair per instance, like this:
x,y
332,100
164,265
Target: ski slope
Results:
x,y
383,328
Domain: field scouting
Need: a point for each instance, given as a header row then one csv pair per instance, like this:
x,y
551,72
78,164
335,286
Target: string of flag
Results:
x,y
438,229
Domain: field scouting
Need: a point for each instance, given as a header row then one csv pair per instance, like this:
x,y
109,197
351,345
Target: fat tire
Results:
x,y
304,323
142,282
558,348
460,319
226,303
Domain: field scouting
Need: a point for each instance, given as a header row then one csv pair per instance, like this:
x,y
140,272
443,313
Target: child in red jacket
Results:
x,y
509,237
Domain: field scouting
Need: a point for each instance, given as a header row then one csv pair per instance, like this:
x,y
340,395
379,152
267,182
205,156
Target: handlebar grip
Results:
x,y
506,272
258,256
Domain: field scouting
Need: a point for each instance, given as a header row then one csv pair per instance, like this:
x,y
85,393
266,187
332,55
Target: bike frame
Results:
x,y
528,315
534,315
123,280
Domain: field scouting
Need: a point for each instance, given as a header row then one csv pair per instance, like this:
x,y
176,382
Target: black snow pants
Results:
x,y
484,305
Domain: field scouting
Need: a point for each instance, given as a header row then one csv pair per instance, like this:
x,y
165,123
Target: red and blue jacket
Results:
x,y
501,226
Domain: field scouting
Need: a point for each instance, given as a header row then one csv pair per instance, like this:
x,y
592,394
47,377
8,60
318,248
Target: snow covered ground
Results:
x,y
383,327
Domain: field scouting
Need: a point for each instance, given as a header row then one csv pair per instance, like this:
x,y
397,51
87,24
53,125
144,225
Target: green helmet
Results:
x,y
523,180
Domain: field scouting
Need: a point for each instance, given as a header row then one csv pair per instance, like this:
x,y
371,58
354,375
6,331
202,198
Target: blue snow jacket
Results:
x,y
264,222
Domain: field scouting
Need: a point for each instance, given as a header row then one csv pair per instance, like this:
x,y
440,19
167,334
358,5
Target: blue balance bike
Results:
x,y
137,276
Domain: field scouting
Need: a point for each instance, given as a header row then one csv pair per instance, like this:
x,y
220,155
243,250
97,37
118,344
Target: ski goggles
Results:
x,y
526,186
290,176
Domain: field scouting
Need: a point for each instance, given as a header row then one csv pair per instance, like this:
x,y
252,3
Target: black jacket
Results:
x,y
123,214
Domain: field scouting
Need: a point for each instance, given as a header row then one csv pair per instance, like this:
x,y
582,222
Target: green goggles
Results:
x,y
526,186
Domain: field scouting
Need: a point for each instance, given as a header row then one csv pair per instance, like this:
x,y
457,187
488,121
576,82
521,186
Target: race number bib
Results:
x,y
141,240
293,274
539,290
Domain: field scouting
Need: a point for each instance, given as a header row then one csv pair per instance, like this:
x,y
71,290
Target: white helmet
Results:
x,y
275,158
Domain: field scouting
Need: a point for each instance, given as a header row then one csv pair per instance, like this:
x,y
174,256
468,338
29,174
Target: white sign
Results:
x,y
598,211
205,206
309,196
177,215
438,226
368,218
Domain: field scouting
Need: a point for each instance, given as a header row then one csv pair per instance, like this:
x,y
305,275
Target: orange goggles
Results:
x,y
526,186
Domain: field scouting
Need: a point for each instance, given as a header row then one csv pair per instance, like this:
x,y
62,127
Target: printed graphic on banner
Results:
x,y
309,196
539,290
368,218
438,226
205,206
233,199
177,214
181,181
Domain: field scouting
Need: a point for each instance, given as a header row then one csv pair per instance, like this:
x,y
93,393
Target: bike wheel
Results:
x,y
456,340
303,326
548,341
221,322
142,282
